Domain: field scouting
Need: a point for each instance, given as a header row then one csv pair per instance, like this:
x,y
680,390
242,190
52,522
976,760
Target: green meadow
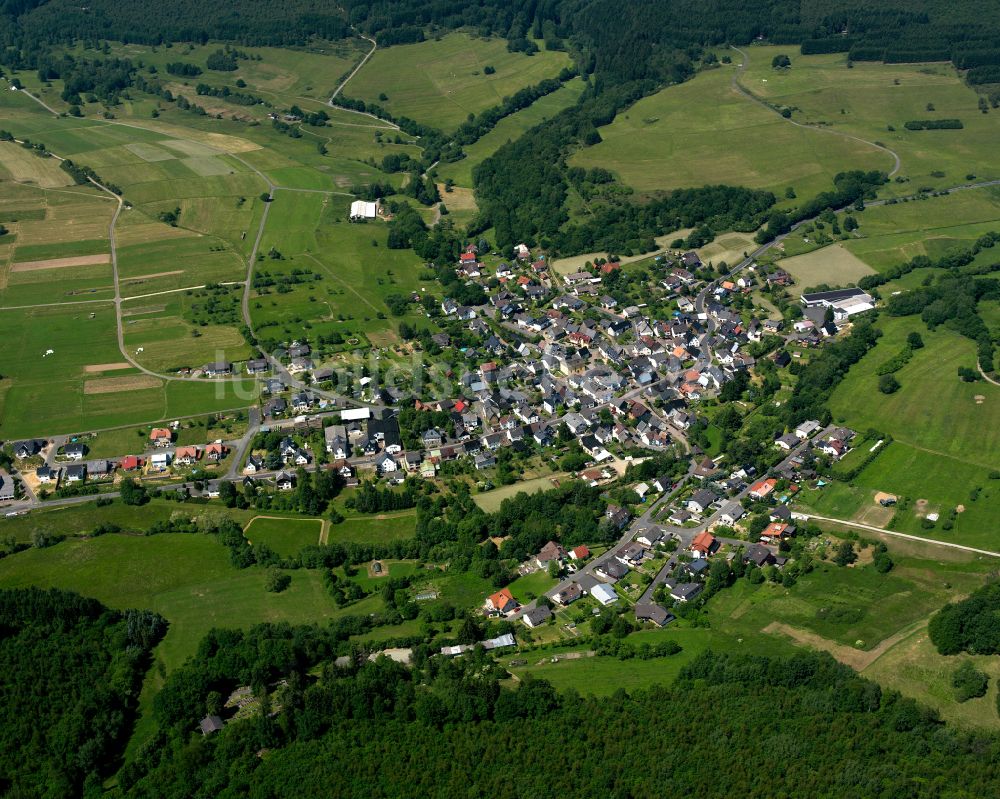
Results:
x,y
356,268
185,577
285,536
509,129
869,98
933,410
705,132
440,82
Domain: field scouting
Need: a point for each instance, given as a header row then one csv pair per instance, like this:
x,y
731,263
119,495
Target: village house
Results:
x,y
549,553
704,544
604,594
536,616
700,501
185,456
75,451
161,437
762,489
502,603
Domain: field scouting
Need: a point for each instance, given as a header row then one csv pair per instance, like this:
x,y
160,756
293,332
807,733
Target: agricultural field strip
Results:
x,y
118,299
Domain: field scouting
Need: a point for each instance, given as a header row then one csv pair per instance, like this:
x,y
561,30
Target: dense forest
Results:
x,y
70,672
730,725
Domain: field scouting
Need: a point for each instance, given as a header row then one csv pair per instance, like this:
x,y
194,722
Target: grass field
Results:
x,y
893,234
531,586
356,268
945,442
373,529
284,536
869,97
602,676
509,129
185,577
490,501
441,82
934,410
833,265
704,132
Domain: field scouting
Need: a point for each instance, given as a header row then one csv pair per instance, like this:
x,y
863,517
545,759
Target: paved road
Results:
x,y
685,535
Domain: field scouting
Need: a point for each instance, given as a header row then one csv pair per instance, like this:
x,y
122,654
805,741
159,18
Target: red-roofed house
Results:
x,y
579,553
186,455
777,531
130,463
161,437
762,488
215,452
502,602
704,544
467,258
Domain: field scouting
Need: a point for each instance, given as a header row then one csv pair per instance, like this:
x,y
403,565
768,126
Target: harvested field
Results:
x,y
112,385
106,367
59,263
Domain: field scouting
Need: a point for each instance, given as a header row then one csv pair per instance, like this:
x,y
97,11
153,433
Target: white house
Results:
x,y
604,594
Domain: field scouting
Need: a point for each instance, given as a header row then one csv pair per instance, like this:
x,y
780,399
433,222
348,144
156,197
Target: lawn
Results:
x,y
440,82
185,577
287,537
530,586
355,267
868,98
82,519
704,132
892,234
603,676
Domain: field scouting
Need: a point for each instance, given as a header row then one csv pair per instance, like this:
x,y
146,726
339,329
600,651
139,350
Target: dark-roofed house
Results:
x,y
700,501
537,616
569,595
611,570
682,592
758,555
660,616
548,553
210,724
216,369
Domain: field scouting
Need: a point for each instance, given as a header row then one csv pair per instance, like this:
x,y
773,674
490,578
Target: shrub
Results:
x,y
969,682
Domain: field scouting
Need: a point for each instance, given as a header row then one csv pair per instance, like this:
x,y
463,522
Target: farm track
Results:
x,y
739,87
350,75
907,536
